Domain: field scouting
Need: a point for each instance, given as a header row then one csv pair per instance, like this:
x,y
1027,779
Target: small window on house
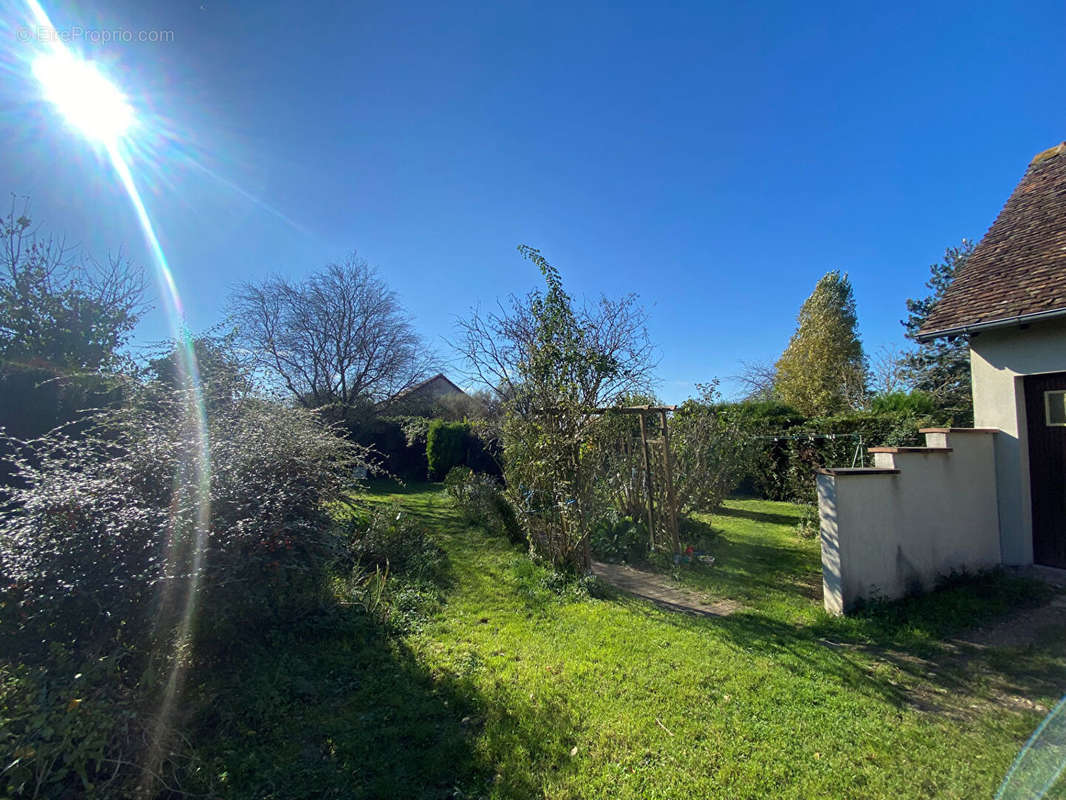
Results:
x,y
1055,406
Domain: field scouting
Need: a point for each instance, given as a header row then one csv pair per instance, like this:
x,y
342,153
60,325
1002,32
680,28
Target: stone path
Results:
x,y
660,590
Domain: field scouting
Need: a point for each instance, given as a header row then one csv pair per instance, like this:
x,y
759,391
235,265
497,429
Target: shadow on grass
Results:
x,y
747,570
339,706
906,653
410,488
767,517
697,531
335,708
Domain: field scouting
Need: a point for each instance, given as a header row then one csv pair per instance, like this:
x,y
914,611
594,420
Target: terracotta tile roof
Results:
x,y
1019,267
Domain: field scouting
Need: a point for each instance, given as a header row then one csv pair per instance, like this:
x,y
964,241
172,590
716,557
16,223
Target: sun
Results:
x,y
88,100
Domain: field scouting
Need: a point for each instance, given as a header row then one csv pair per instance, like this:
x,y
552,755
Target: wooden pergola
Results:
x,y
667,511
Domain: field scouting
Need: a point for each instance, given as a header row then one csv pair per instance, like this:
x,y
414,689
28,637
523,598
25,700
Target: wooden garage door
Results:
x,y
1045,408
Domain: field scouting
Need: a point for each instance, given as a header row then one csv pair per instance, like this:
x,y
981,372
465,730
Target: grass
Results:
x,y
518,687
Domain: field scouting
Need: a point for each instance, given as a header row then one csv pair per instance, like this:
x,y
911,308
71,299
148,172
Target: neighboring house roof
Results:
x,y
1017,273
430,389
418,388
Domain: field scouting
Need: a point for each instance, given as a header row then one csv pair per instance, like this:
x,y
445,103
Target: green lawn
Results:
x,y
513,688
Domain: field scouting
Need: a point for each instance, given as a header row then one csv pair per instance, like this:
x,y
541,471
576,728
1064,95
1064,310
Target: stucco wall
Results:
x,y
888,534
998,360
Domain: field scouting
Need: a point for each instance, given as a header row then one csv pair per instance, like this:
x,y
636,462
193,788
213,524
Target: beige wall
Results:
x,y
999,359
890,534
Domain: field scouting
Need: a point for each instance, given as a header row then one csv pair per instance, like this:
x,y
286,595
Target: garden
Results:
x,y
210,587
478,673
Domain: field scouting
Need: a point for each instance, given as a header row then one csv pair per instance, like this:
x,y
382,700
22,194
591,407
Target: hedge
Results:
x,y
793,447
445,447
457,444
386,435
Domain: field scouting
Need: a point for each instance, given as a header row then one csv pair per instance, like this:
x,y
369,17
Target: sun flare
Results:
x,y
85,98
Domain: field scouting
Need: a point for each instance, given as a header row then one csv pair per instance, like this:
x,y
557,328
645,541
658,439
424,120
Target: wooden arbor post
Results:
x,y
670,520
668,461
648,484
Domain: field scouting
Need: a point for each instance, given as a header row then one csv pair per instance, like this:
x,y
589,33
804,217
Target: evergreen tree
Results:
x,y
940,367
823,369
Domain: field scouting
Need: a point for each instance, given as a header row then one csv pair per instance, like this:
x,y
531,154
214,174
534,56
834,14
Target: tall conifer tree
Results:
x,y
823,369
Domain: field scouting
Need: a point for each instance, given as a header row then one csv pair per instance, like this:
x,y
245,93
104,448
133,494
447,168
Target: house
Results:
x,y
995,493
424,397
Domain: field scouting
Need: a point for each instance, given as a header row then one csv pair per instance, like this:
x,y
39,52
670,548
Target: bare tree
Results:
x,y
338,339
758,380
890,370
498,346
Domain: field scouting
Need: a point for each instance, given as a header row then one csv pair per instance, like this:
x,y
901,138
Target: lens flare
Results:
x,y
85,98
197,474
1041,762
98,110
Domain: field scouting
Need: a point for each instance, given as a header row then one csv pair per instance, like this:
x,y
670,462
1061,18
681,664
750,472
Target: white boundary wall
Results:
x,y
919,515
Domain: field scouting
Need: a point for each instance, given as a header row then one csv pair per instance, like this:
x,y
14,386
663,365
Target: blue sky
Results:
x,y
715,158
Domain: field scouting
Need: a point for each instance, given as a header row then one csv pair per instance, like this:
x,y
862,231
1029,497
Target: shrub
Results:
x,y
915,403
482,502
393,541
552,361
446,445
457,484
107,529
66,730
808,526
712,453
120,548
496,509
620,539
761,414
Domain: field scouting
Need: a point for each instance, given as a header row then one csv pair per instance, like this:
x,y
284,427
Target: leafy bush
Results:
x,y
107,526
809,525
712,452
915,403
482,501
119,546
618,538
67,729
457,484
761,414
552,361
393,541
445,446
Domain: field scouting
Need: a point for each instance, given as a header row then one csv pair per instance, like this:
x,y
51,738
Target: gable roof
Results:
x,y
440,376
1017,273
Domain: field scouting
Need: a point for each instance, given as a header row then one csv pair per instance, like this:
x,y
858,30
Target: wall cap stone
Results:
x,y
839,472
908,449
958,430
